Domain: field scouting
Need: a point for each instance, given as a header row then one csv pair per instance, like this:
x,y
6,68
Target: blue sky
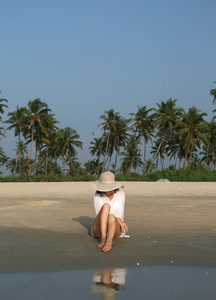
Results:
x,y
84,57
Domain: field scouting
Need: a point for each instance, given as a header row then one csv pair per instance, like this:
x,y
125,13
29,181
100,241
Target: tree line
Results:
x,y
185,137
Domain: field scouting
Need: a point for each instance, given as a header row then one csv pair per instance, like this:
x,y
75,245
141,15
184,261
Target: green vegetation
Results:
x,y
46,152
48,178
172,175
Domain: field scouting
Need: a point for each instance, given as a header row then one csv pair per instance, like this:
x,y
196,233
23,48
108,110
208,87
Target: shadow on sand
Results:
x,y
86,222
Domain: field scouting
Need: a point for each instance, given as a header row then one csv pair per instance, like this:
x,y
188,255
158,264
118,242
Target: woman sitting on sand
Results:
x,y
109,203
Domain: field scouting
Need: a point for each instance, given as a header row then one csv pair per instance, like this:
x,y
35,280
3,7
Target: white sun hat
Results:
x,y
106,182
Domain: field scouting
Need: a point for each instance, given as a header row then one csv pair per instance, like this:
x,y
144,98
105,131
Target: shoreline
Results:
x,y
46,226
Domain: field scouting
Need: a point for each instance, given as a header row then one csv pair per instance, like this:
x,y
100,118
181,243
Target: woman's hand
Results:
x,y
123,226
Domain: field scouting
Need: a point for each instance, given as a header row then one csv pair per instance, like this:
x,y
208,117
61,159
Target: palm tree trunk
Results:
x,y
20,166
163,157
157,151
16,163
71,168
180,154
46,161
180,157
207,152
157,161
186,155
139,151
116,157
213,158
65,163
106,150
191,158
98,170
34,168
109,161
176,160
17,159
32,139
144,159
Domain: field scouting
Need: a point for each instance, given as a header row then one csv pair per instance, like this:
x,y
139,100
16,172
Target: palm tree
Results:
x,y
209,148
212,149
154,150
1,112
74,166
16,118
206,158
97,149
161,154
4,159
2,106
36,121
91,166
1,154
144,127
41,137
110,149
175,149
148,164
133,141
214,111
66,142
1,151
21,149
193,129
47,166
130,159
213,93
109,118
196,163
49,147
1,133
120,136
11,165
166,117
24,166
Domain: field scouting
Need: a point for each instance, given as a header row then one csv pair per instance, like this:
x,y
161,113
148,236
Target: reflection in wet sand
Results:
x,y
108,282
143,282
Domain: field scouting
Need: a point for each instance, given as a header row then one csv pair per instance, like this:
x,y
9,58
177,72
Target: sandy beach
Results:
x,y
46,226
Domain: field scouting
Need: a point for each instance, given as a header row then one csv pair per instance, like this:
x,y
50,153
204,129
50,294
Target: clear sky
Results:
x,y
83,57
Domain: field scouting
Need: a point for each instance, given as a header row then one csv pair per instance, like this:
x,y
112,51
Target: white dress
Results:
x,y
117,204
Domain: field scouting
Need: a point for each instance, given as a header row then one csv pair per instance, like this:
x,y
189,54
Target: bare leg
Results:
x,y
114,230
101,223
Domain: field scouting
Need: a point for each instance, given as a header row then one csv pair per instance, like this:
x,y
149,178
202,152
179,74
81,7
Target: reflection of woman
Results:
x,y
109,282
109,203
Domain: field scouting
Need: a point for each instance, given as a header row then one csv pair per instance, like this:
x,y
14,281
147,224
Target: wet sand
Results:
x,y
46,226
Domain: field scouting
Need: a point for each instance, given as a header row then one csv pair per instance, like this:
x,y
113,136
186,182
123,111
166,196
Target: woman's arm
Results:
x,y
123,226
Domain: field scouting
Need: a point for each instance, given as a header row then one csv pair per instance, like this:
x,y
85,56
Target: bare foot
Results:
x,y
107,247
102,243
